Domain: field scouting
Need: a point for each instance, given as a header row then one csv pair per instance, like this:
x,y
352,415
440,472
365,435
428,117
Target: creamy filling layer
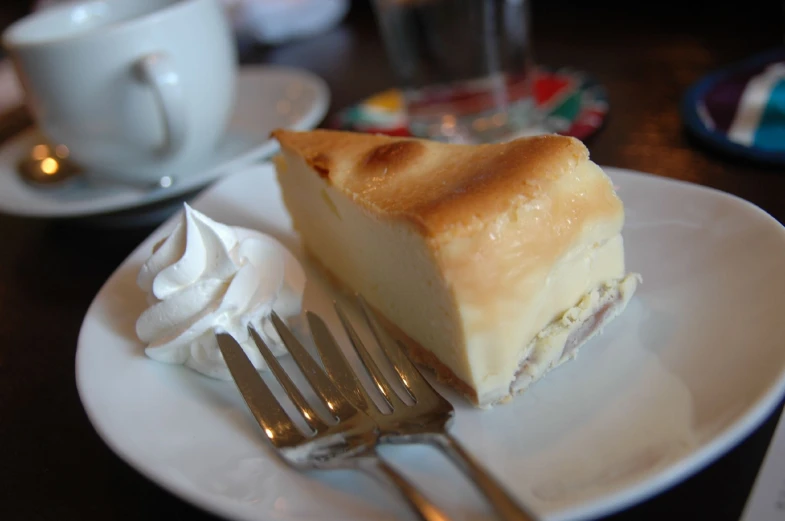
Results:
x,y
497,336
561,339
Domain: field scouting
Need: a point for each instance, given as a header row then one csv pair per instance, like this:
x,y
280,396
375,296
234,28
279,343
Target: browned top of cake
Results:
x,y
443,186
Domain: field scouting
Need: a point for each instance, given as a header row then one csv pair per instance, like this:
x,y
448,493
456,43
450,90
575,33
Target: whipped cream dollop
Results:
x,y
206,277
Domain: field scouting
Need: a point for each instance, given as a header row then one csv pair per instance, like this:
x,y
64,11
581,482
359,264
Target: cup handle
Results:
x,y
159,73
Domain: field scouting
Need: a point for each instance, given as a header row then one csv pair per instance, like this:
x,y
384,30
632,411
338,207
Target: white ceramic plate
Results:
x,y
692,366
268,97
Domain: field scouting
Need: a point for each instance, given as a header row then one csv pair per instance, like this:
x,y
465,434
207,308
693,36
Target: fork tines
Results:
x,y
276,423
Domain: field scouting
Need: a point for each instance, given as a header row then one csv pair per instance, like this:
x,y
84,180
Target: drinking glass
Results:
x,y
464,66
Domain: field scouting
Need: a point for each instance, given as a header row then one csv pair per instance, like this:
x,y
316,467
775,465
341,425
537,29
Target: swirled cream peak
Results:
x,y
207,277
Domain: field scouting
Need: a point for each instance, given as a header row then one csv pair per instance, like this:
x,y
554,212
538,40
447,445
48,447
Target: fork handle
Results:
x,y
381,471
506,507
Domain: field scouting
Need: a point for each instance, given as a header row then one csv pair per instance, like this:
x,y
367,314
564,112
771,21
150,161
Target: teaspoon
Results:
x,y
46,165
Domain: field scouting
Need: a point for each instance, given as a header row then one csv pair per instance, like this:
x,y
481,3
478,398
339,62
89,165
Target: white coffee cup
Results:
x,y
136,89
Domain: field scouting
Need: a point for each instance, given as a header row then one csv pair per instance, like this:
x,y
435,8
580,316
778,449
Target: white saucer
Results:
x,y
692,366
268,97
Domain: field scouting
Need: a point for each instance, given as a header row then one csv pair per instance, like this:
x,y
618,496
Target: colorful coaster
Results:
x,y
741,109
572,104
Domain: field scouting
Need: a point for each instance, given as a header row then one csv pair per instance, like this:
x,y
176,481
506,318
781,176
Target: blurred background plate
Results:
x,y
268,97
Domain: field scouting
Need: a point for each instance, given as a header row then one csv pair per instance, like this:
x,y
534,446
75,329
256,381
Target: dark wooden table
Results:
x,y
52,464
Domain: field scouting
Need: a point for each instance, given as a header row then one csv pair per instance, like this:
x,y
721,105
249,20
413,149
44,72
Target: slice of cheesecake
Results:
x,y
493,262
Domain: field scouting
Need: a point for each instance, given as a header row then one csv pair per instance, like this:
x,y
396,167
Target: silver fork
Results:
x,y
349,443
426,421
